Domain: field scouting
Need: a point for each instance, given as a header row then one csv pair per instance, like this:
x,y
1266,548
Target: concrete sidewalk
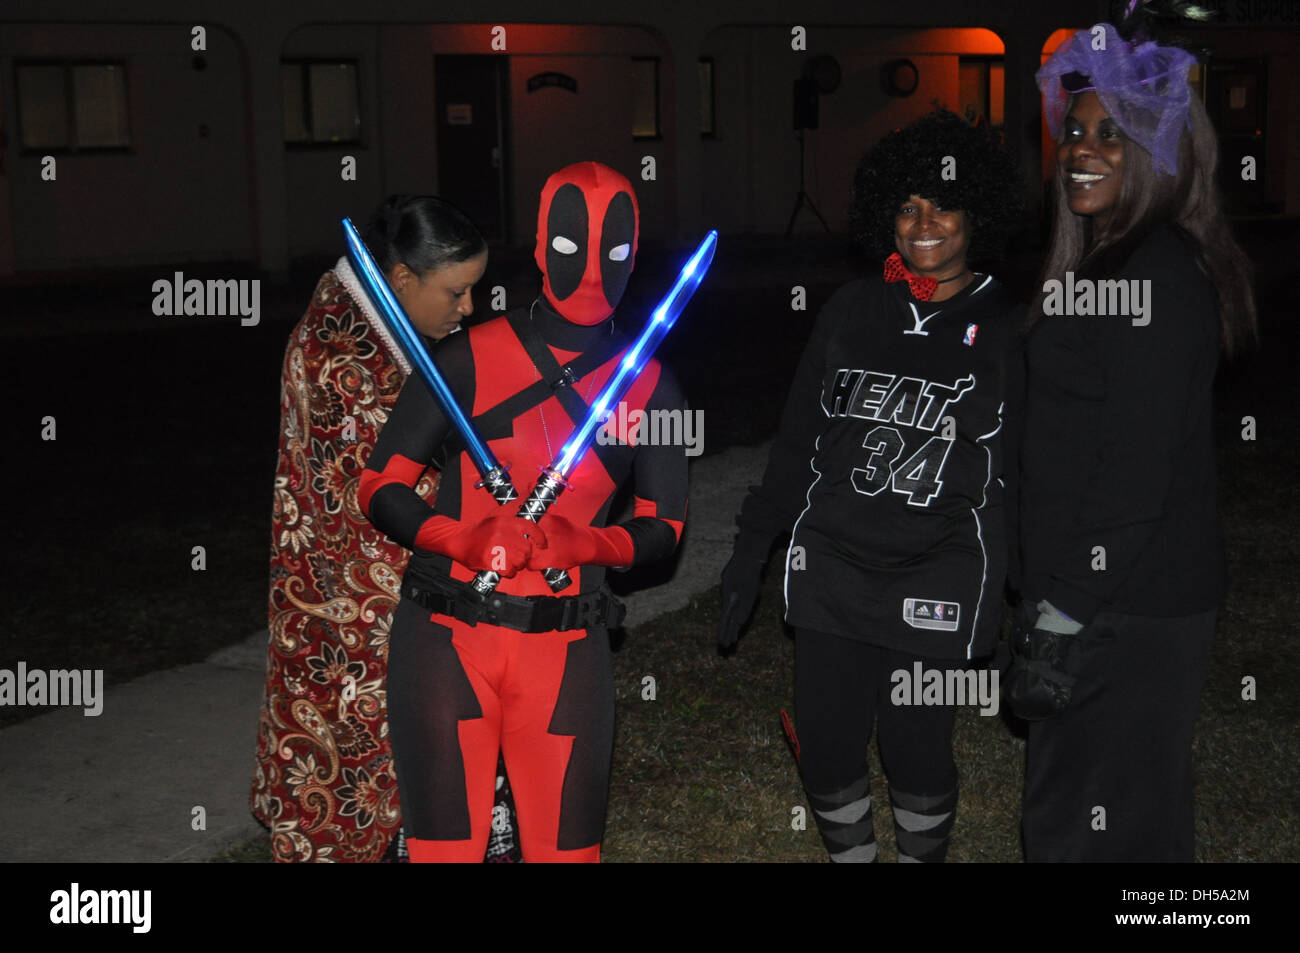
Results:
x,y
128,784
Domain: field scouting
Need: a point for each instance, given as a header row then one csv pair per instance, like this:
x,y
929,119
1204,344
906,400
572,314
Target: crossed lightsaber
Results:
x,y
494,477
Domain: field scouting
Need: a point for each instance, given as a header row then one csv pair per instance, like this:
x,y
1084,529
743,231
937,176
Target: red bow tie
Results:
x,y
922,288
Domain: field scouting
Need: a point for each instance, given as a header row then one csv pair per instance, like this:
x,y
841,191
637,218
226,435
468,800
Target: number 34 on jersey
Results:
x,y
897,401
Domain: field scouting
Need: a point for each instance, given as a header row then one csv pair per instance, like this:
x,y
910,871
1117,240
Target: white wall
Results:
x,y
240,194
317,195
177,195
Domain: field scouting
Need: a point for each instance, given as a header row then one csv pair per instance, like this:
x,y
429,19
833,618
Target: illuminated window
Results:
x,y
322,101
72,106
645,97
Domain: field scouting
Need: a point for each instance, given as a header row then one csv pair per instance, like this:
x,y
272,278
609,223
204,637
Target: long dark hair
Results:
x,y
423,232
1188,200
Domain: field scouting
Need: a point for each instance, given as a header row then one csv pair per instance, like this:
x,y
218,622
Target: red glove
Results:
x,y
501,542
567,545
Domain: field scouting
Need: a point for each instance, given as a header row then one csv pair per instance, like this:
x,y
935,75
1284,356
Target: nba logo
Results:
x,y
970,334
938,606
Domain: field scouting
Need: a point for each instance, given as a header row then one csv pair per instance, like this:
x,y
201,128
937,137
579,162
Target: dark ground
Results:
x,y
166,439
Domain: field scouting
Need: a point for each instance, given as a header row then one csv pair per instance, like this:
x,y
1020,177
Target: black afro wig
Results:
x,y
983,182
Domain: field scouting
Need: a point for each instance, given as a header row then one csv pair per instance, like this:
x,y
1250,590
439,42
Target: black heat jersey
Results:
x,y
887,469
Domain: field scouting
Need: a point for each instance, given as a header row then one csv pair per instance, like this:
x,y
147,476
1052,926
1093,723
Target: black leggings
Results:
x,y
842,690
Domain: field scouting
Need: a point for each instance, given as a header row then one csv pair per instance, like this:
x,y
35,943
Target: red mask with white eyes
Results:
x,y
587,229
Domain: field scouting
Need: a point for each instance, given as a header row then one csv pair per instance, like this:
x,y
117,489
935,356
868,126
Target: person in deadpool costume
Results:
x,y
524,672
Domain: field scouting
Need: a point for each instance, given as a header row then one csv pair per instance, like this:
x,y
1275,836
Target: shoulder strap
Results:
x,y
496,422
555,379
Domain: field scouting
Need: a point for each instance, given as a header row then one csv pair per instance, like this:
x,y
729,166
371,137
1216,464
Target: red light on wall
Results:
x,y
978,41
1056,39
964,41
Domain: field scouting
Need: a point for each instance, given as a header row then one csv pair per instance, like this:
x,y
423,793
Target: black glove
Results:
x,y
741,580
1039,682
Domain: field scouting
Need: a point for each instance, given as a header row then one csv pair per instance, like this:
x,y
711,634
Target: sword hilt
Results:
x,y
497,482
548,489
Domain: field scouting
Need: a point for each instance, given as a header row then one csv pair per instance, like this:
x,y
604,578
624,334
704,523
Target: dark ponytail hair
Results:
x,y
422,232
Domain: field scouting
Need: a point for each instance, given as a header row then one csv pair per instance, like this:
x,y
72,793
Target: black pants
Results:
x,y
841,689
1110,778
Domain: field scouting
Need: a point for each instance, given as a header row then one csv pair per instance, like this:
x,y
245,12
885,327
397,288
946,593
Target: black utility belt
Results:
x,y
449,597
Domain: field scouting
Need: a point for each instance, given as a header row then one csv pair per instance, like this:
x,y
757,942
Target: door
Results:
x,y
471,97
1236,97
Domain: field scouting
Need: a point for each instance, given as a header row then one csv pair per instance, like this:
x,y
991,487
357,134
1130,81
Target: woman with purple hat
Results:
x,y
1121,547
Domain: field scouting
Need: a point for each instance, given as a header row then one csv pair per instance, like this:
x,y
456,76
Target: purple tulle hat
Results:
x,y
1143,87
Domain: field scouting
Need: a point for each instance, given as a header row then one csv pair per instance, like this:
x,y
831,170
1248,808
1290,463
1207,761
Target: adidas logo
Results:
x,y
931,614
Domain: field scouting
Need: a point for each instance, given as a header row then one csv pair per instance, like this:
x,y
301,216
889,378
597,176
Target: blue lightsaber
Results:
x,y
494,477
637,356
552,482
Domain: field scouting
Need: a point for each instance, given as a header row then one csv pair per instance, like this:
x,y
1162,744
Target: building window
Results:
x,y
706,97
645,97
982,89
72,106
322,101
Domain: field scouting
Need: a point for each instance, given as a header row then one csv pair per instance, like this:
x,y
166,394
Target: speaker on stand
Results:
x,y
821,75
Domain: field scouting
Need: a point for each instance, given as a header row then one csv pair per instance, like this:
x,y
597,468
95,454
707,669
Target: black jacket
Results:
x,y
1117,456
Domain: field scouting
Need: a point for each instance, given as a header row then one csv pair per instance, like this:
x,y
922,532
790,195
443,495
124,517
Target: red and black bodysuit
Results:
x,y
458,693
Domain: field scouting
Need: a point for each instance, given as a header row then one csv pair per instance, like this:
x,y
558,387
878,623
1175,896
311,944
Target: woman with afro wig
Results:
x,y
886,472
